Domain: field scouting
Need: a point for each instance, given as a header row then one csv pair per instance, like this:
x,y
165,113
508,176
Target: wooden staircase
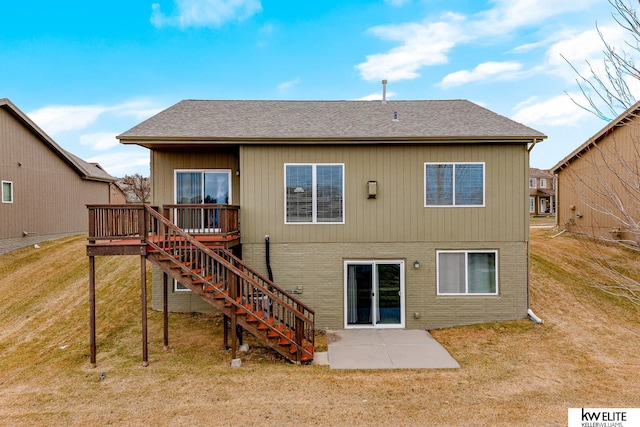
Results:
x,y
245,297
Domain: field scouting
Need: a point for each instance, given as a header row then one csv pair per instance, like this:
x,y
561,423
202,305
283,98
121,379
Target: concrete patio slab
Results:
x,y
386,349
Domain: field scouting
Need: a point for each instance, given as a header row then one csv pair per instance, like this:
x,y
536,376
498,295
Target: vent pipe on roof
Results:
x,y
384,91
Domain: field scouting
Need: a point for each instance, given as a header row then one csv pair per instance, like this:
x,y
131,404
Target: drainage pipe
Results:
x,y
268,258
533,317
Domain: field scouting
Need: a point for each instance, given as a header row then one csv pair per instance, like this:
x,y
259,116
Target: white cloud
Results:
x,y
289,84
397,3
204,13
481,72
55,119
508,15
429,43
123,163
376,96
420,45
99,141
60,118
556,111
578,48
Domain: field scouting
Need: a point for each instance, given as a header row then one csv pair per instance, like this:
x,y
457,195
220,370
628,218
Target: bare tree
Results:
x,y
604,178
139,185
611,91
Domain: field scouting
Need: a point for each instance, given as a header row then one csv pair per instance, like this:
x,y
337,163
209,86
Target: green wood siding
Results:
x,y
398,213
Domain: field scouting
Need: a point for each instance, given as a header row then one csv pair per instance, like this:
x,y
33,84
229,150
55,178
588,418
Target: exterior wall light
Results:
x,y
372,187
416,264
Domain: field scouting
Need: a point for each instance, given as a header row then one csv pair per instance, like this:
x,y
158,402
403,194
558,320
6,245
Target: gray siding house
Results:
x,y
397,214
44,188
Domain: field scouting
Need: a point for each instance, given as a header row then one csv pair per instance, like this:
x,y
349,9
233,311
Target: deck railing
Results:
x,y
117,222
208,219
242,287
128,222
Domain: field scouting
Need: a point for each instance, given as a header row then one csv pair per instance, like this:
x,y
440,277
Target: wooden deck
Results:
x,y
126,230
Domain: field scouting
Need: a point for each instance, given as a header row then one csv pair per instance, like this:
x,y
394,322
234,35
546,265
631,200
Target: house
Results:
x,y
599,182
44,188
542,192
396,214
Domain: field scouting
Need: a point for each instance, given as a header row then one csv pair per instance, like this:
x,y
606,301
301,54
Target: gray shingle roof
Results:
x,y
366,120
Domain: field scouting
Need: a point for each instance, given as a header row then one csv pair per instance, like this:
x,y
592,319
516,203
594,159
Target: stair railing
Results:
x,y
243,288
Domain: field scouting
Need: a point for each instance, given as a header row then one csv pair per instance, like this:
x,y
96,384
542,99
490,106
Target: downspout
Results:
x,y
268,257
530,312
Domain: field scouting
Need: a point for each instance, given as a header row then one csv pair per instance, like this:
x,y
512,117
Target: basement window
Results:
x,y
7,192
467,272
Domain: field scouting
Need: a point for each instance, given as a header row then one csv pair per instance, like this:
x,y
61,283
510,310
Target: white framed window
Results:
x,y
532,183
179,287
543,183
7,192
314,193
454,184
532,204
468,272
196,187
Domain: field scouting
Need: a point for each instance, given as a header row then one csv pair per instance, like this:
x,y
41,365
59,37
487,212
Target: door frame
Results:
x,y
374,263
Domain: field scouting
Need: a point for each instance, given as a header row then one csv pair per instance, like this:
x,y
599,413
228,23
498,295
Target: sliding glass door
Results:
x,y
198,187
374,294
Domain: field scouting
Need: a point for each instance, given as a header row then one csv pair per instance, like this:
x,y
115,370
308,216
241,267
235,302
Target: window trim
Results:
x,y
314,207
543,183
453,188
10,191
202,172
532,183
177,289
466,271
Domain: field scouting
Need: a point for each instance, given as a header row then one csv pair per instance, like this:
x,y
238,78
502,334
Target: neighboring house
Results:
x,y
599,182
118,194
44,188
398,214
542,192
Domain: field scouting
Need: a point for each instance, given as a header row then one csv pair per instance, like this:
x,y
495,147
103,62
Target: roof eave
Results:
x,y
150,141
625,116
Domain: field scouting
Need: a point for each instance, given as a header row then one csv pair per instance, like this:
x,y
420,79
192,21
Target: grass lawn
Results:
x,y
513,373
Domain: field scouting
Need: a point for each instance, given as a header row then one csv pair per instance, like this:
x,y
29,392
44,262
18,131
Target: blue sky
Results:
x,y
86,71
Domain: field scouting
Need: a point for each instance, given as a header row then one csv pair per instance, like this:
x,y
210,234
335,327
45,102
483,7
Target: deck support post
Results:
x,y
143,292
165,306
92,310
225,344
234,336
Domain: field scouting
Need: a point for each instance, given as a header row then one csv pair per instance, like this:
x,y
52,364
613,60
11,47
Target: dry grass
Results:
x,y
513,373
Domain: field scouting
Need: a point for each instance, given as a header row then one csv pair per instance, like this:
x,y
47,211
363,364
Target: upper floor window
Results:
x,y
532,183
7,192
543,183
454,184
314,193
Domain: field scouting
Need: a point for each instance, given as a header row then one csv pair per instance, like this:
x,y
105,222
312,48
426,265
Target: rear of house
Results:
x,y
404,214
44,188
